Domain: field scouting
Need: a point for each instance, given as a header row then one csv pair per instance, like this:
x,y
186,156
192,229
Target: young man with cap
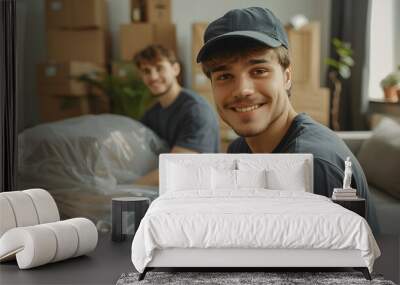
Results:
x,y
182,118
245,55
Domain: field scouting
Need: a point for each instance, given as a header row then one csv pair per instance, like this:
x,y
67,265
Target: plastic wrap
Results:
x,y
91,153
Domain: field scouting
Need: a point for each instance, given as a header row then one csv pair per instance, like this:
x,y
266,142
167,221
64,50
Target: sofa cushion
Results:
x,y
384,212
380,157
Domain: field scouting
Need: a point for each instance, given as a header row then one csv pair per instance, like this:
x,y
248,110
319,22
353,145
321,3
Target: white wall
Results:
x,y
382,44
118,14
184,13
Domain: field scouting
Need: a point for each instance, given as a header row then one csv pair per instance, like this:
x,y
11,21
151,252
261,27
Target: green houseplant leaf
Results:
x,y
340,68
128,94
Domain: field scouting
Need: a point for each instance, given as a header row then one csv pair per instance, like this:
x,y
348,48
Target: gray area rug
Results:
x,y
229,278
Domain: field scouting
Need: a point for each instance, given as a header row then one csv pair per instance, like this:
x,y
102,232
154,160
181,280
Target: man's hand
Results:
x,y
151,178
179,149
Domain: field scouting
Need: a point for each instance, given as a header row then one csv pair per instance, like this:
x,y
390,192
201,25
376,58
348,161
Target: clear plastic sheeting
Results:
x,y
93,153
97,206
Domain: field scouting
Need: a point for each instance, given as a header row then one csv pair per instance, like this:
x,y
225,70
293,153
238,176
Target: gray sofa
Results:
x,y
383,208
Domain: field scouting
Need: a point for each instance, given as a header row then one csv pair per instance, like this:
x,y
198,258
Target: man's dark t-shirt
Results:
x,y
189,122
329,151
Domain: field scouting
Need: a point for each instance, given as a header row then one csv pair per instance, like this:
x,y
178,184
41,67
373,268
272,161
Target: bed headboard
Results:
x,y
234,161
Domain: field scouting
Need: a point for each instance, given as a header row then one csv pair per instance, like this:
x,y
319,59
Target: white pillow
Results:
x,y
281,174
292,179
251,178
181,177
224,179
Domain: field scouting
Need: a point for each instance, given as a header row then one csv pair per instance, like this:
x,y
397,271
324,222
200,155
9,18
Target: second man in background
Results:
x,y
181,117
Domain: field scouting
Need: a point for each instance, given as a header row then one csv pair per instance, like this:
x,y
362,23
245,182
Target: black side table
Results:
x,y
127,212
357,205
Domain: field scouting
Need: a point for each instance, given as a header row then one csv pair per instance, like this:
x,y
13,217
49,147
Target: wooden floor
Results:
x,y
102,266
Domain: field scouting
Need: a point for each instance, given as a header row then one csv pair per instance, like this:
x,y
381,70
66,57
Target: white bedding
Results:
x,y
251,218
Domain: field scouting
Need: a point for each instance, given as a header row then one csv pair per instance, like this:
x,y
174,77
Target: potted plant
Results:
x,y
391,86
340,70
128,95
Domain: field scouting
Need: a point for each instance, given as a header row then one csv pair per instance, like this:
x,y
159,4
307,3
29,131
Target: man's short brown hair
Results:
x,y
154,53
233,48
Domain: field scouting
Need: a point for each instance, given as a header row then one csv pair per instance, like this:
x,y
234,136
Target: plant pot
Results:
x,y
391,93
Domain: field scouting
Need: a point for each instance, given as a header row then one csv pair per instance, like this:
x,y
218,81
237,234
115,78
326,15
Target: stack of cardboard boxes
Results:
x,y
76,44
202,85
151,24
306,94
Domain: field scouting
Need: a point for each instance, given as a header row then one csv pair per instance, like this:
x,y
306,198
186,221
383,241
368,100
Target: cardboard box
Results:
x,y
157,11
99,104
313,101
76,14
136,36
77,45
198,30
54,108
58,13
305,52
138,11
58,78
151,11
199,80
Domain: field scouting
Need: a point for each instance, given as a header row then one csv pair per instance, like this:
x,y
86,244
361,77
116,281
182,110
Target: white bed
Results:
x,y
253,223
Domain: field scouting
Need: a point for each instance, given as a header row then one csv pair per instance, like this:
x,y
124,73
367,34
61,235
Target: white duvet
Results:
x,y
250,218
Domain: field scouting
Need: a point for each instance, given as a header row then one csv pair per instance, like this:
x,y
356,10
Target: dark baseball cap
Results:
x,y
255,23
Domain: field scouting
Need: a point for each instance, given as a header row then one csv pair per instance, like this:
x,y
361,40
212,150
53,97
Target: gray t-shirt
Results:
x,y
329,151
188,122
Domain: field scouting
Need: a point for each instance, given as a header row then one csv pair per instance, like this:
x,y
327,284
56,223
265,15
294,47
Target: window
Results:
x,y
381,41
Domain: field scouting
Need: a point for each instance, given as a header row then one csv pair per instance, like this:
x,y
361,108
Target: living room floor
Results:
x,y
102,266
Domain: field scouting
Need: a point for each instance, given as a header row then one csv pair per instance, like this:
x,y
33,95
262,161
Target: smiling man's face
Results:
x,y
250,92
159,75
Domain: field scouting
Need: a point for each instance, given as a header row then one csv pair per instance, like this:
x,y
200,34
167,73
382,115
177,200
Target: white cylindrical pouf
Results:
x,y
23,208
34,245
7,218
87,234
67,239
45,205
